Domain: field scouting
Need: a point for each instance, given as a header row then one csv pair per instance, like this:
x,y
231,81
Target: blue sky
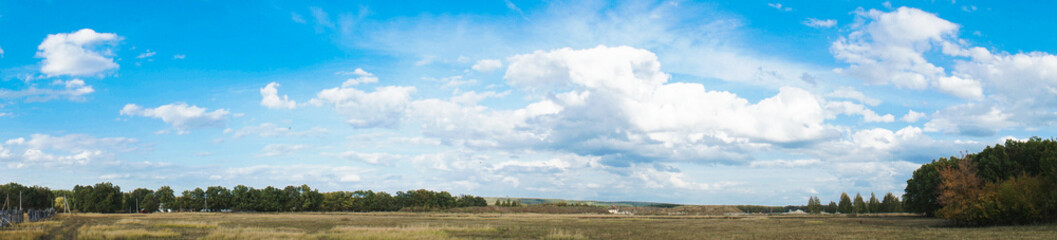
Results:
x,y
751,102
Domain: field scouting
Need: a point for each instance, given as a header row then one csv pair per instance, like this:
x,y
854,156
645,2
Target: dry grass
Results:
x,y
22,234
120,232
505,226
187,224
255,233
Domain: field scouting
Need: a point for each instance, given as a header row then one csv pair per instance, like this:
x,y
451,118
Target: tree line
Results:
x,y
889,204
1011,183
108,198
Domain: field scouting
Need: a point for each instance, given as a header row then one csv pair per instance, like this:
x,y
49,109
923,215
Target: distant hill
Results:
x,y
530,201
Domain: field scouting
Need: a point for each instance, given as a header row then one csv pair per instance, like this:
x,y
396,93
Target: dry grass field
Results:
x,y
506,226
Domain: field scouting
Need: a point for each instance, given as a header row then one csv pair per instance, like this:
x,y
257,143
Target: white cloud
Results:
x,y
912,116
817,23
382,108
960,87
615,103
181,116
888,49
973,119
179,56
270,97
77,53
849,108
779,7
362,77
49,151
1017,76
1,52
851,93
274,150
487,65
146,54
271,130
74,90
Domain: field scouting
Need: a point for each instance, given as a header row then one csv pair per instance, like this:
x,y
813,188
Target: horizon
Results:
x,y
683,102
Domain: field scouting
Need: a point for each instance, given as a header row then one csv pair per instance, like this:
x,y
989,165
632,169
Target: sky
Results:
x,y
742,102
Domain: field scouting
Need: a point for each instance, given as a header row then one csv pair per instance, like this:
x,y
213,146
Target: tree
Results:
x,y
272,199
890,204
814,206
832,207
218,198
845,206
102,198
291,199
141,199
923,188
874,206
310,199
165,197
960,190
859,206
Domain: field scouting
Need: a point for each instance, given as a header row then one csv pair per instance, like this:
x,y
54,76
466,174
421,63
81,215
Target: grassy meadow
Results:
x,y
509,226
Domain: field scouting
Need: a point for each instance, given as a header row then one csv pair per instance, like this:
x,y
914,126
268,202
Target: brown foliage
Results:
x,y
963,195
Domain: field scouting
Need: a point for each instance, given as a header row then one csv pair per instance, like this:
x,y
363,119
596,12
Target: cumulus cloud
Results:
x,y
487,65
960,87
270,97
888,48
181,116
817,23
973,119
74,90
80,53
615,103
382,108
849,108
912,116
362,77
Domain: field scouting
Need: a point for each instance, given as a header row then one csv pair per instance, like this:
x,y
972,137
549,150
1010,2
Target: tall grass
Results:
x,y
120,232
255,233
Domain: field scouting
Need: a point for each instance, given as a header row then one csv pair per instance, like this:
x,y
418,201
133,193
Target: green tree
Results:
x,y
874,206
814,206
923,188
165,197
859,206
845,206
832,207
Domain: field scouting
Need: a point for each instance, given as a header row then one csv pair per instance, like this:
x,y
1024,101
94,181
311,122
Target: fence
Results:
x,y
16,216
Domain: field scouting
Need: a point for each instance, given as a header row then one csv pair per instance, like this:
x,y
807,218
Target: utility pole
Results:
x,y
20,200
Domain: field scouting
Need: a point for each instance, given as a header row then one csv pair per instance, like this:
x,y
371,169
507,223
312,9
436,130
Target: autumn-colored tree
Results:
x,y
962,194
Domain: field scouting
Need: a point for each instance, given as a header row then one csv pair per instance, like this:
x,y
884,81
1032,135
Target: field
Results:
x,y
513,226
